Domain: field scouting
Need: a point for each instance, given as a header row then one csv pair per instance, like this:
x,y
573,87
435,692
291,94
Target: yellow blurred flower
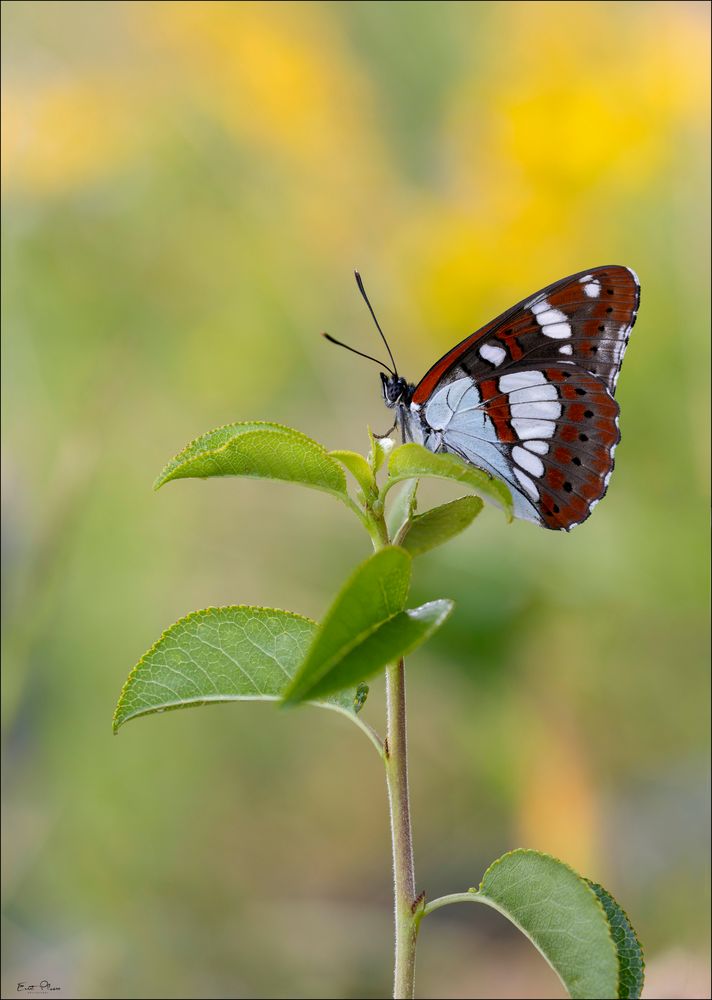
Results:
x,y
578,109
281,79
558,810
61,133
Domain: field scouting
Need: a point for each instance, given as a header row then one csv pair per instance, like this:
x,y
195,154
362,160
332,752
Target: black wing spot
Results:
x,y
576,460
555,508
588,414
568,487
610,291
609,309
580,391
601,329
594,350
583,437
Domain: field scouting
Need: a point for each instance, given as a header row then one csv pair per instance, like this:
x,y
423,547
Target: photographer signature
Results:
x,y
44,987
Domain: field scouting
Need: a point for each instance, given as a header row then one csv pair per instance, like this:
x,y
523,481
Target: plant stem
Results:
x,y
405,904
408,909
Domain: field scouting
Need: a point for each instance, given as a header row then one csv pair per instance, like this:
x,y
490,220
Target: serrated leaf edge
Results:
x,y
591,883
348,713
481,895
202,613
163,478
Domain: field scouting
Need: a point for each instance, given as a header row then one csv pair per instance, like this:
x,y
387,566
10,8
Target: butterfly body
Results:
x,y
530,397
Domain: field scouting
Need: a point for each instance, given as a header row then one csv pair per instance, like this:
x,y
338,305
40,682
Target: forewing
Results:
x,y
585,319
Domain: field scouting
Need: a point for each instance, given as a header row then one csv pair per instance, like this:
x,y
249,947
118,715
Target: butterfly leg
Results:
x,y
388,432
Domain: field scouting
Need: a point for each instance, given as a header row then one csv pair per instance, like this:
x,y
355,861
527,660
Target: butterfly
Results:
x,y
529,397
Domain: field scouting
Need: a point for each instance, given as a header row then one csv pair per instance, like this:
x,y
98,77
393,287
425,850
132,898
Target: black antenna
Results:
x,y
378,326
333,340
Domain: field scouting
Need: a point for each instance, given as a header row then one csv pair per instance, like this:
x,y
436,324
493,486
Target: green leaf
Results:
x,y
224,654
440,524
394,638
359,469
380,448
631,966
258,450
561,914
403,507
413,460
374,593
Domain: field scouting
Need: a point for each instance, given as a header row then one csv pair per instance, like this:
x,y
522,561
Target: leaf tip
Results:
x,y
164,476
290,697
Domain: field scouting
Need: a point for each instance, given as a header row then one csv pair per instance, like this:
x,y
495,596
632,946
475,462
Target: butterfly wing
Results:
x,y
529,397
585,318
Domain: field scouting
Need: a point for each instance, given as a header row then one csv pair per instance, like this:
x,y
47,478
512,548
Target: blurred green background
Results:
x,y
187,188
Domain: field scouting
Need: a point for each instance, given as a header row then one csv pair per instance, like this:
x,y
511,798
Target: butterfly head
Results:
x,y
396,390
